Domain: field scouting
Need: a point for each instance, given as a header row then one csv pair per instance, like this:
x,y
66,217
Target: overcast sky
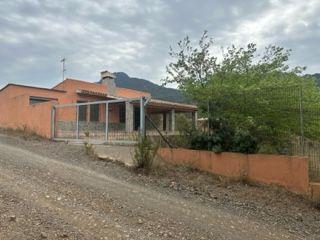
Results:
x,y
134,36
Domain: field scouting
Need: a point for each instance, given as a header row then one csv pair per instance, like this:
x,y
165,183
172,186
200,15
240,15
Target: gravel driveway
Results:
x,y
54,191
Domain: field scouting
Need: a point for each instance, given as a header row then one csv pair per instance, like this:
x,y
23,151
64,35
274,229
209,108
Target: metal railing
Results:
x,y
104,121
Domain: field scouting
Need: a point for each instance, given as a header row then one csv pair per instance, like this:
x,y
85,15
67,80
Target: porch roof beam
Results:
x,y
97,102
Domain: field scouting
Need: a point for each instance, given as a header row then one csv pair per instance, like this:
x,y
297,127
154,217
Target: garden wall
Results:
x,y
290,172
19,114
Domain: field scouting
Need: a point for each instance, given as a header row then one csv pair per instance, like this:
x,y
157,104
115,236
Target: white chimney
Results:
x,y
108,79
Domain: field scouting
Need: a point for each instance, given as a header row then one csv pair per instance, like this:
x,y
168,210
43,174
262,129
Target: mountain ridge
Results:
x,y
156,91
316,76
159,92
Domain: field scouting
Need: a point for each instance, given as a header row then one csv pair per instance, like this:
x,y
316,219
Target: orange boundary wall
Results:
x,y
19,114
290,172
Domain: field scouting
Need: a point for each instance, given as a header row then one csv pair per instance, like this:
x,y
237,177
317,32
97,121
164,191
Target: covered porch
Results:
x,y
164,115
117,119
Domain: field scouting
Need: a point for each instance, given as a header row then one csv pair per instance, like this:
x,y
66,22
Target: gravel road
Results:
x,y
54,191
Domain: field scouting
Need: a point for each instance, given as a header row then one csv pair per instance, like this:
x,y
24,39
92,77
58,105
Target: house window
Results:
x,y
82,112
36,100
122,113
94,112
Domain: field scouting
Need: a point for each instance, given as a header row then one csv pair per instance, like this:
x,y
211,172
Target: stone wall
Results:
x,y
84,126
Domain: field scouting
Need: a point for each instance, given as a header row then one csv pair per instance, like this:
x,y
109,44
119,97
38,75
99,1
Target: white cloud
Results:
x,y
284,19
134,35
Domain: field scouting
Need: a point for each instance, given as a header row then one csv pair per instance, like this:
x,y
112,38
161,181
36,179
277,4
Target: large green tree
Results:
x,y
247,86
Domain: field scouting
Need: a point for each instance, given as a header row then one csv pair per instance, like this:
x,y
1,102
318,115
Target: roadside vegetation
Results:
x,y
88,147
145,152
222,137
24,132
86,187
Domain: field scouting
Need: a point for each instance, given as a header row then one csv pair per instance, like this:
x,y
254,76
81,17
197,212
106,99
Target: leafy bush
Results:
x,y
222,132
184,124
244,142
277,144
205,141
144,153
217,139
186,130
88,148
221,137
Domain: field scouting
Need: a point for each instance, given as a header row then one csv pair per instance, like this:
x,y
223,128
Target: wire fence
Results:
x,y
105,121
284,120
165,128
113,121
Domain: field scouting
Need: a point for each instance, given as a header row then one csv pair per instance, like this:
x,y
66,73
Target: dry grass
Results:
x,y
88,147
145,152
24,132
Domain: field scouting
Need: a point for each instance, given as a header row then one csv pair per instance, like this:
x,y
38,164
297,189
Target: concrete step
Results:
x,y
121,154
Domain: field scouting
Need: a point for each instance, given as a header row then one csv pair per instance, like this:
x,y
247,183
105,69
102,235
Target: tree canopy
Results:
x,y
247,86
196,68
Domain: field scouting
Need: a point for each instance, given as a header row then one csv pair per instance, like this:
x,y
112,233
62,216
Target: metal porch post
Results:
x,y
107,122
195,119
173,120
77,122
142,117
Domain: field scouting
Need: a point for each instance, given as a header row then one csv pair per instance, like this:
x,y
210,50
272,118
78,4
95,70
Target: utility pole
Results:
x,y
63,61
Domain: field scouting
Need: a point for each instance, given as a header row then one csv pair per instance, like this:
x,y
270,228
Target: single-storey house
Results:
x,y
31,108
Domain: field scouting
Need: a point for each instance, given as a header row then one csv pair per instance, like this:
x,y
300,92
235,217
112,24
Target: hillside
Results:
x,y
317,76
158,92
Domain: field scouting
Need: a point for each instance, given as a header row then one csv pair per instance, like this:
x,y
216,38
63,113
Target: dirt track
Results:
x,y
47,194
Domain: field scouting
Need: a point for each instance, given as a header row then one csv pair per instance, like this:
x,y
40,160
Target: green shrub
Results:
x,y
218,139
88,148
222,133
221,137
186,130
279,145
144,153
206,141
244,142
184,124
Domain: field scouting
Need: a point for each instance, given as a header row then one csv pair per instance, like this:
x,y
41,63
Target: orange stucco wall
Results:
x,y
287,171
18,114
71,85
